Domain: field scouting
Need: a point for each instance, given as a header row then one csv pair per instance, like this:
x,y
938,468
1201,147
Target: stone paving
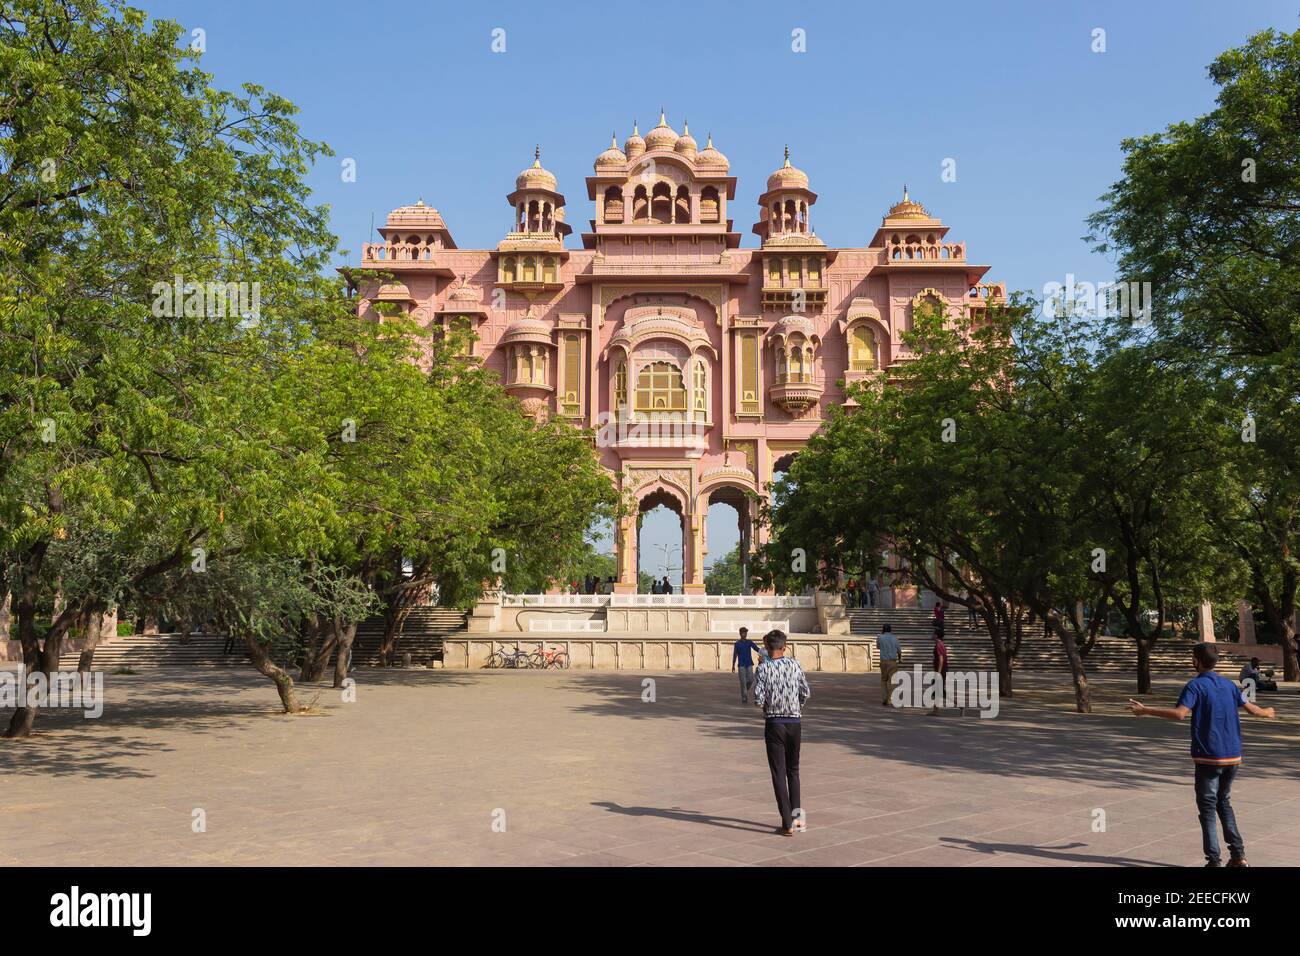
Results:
x,y
585,772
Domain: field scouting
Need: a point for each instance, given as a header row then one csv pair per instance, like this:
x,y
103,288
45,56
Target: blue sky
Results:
x,y
883,95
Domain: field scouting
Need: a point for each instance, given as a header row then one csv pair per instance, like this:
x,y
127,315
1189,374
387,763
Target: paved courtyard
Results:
x,y
543,768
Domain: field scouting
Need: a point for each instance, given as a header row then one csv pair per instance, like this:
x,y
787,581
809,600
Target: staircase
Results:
x,y
159,650
969,647
422,636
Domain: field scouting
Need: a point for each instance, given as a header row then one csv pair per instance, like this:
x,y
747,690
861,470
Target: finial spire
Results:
x,y
537,156
709,144
686,127
635,131
787,156
904,192
663,117
613,140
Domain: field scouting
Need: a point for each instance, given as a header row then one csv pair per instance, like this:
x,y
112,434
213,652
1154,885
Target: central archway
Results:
x,y
729,517
659,538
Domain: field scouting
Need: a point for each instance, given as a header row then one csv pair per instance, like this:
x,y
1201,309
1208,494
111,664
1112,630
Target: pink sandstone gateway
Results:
x,y
661,316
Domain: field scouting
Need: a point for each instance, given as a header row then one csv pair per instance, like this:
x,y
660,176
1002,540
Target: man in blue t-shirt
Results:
x,y
742,657
1212,702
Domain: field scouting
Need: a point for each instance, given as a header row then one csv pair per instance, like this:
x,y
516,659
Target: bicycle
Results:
x,y
515,659
543,658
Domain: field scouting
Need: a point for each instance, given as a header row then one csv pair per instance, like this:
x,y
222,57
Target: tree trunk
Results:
x,y
317,651
392,631
38,657
92,633
1082,701
283,682
1001,651
1144,665
345,635
1287,637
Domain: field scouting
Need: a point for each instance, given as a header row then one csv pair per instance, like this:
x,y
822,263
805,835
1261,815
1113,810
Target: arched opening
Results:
x,y
640,205
728,531
659,542
709,206
613,204
682,207
661,203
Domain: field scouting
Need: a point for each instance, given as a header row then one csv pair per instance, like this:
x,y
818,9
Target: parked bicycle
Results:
x,y
544,658
516,659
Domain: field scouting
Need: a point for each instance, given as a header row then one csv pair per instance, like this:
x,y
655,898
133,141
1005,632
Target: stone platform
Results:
x,y
658,652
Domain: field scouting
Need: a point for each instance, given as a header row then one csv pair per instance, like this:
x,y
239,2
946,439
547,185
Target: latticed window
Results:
x,y
572,375
620,387
863,353
749,371
701,389
659,388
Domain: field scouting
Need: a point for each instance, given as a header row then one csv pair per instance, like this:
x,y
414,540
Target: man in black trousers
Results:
x,y
781,688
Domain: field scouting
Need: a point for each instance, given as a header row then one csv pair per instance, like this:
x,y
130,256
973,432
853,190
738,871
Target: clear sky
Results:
x,y
881,96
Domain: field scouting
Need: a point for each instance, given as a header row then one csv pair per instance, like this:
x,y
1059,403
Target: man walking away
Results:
x,y
781,689
891,659
871,592
742,657
1212,701
940,666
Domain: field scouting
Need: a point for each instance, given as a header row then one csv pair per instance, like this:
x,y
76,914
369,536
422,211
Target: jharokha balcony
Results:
x,y
402,255
987,293
797,392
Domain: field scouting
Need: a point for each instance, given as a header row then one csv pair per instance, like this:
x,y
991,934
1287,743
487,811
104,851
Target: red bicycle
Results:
x,y
543,658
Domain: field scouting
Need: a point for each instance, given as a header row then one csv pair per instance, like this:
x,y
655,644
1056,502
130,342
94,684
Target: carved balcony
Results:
x,y
797,392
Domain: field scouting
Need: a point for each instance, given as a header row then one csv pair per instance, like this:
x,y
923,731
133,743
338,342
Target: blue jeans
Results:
x,y
746,681
1213,788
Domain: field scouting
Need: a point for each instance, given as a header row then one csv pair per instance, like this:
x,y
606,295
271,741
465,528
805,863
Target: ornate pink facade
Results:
x,y
702,367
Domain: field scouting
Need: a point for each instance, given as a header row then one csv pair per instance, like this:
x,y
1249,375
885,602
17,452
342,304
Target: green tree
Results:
x,y
123,169
1207,212
724,576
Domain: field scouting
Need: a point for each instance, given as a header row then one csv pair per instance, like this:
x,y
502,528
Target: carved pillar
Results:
x,y
627,545
1246,622
1205,621
693,554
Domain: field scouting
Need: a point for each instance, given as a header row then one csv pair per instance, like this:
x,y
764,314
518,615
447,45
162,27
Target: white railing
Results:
x,y
712,600
554,600
553,624
658,600
756,628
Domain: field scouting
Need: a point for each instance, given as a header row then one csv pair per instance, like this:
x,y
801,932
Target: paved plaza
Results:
x,y
577,768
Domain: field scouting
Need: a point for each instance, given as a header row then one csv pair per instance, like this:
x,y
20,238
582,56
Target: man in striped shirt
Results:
x,y
780,688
